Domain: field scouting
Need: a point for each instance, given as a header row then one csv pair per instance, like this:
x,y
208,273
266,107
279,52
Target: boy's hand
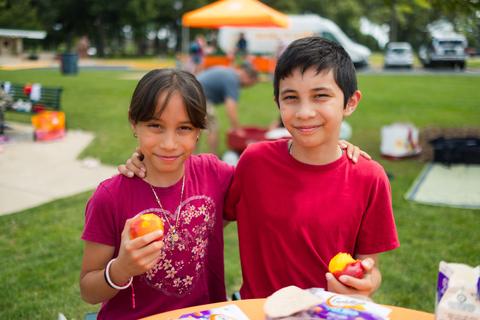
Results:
x,y
353,152
133,166
354,286
136,256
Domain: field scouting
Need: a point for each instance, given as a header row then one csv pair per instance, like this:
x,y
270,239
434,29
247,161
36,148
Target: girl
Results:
x,y
140,277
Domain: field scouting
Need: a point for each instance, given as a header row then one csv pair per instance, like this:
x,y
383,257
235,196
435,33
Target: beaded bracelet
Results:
x,y
110,282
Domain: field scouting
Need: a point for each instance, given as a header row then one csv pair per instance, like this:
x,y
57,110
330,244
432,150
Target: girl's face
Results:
x,y
167,140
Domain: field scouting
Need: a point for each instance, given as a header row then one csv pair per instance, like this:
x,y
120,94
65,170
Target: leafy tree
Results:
x,y
19,14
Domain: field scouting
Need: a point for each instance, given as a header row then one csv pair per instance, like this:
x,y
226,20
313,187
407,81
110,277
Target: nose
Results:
x,y
305,111
169,141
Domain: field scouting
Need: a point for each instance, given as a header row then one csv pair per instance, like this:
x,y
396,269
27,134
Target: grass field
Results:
x,y
41,250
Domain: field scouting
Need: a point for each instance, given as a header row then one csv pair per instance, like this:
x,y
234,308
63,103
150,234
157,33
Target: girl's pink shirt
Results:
x,y
191,271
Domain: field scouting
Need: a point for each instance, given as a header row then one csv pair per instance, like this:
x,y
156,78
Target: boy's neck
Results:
x,y
317,155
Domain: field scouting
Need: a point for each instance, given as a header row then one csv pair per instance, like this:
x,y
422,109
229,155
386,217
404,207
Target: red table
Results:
x,y
254,310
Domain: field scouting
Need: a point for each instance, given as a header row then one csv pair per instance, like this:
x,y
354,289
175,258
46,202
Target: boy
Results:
x,y
299,202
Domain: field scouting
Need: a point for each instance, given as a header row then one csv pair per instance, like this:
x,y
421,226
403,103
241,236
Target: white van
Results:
x,y
271,41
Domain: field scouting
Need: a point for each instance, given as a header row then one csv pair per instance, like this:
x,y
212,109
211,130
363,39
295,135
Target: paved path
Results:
x,y
48,61
33,173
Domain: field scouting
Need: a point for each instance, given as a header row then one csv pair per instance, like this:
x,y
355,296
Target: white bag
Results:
x,y
399,140
458,292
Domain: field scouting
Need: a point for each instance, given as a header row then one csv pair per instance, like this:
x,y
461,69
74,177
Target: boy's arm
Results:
x,y
366,286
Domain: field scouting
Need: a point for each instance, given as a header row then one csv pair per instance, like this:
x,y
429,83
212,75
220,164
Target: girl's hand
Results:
x,y
353,151
134,166
136,256
352,286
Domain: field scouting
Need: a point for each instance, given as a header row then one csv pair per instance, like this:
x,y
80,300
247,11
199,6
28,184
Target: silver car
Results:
x,y
398,55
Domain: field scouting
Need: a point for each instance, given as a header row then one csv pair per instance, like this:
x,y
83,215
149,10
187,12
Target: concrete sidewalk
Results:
x,y
33,173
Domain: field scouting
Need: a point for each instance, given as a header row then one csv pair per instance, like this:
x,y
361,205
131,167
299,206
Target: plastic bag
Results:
x,y
458,292
400,140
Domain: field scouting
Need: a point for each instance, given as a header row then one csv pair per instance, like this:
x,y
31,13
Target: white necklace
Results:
x,y
173,234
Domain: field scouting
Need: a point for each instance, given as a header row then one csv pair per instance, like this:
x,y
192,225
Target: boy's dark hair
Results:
x,y
167,81
321,54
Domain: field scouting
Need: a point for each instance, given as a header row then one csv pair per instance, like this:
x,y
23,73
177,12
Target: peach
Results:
x,y
343,264
144,224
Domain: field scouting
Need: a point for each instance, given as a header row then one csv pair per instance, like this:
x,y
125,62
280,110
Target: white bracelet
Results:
x,y
110,282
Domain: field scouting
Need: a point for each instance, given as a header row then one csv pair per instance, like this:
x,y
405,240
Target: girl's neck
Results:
x,y
163,179
317,155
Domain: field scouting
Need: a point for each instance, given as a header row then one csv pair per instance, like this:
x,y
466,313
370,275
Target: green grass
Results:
x,y
41,250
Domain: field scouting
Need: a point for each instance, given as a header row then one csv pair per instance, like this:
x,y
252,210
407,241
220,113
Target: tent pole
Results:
x,y
185,39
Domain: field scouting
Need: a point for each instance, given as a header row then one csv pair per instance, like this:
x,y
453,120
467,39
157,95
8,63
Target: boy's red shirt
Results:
x,y
293,217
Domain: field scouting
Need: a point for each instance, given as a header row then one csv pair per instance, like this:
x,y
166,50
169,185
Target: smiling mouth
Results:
x,y
168,158
307,129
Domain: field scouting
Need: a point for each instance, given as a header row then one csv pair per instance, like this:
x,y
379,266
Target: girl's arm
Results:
x,y
93,287
135,257
366,286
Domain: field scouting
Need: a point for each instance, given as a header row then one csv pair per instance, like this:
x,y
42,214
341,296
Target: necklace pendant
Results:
x,y
173,237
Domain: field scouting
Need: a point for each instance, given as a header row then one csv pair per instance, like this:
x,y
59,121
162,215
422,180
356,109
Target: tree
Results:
x,y
19,14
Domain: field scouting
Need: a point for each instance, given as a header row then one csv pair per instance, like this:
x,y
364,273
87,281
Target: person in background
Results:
x,y
242,45
197,53
222,86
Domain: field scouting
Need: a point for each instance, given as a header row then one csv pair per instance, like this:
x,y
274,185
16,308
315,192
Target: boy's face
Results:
x,y
311,107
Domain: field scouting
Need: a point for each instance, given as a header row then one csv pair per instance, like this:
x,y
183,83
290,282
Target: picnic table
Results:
x,y
253,308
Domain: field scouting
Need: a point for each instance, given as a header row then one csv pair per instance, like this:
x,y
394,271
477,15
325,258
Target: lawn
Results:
x,y
41,250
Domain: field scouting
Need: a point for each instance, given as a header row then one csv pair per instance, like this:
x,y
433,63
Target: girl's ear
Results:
x,y
197,134
134,129
352,103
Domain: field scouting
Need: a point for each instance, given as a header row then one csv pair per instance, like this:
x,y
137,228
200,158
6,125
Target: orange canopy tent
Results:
x,y
252,13
234,13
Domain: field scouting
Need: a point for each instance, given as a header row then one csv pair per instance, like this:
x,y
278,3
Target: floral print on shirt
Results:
x,y
182,262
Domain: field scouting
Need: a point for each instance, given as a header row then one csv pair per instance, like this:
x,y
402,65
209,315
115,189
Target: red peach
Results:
x,y
343,264
144,224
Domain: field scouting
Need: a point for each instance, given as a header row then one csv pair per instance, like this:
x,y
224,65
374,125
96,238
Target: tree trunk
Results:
x,y
393,21
100,37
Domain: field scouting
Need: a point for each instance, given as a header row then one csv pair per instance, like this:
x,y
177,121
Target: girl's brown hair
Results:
x,y
167,81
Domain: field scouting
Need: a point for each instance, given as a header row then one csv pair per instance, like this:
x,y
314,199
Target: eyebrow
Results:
x,y
288,91
154,118
295,91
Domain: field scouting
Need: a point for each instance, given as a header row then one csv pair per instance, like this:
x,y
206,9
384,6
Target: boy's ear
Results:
x,y
352,103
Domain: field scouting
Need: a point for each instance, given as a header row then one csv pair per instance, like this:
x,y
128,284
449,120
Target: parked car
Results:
x,y
398,55
444,47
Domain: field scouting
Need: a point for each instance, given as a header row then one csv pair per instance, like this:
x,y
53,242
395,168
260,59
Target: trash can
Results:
x,y
69,63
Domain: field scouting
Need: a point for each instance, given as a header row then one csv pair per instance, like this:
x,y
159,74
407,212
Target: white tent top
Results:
x,y
28,34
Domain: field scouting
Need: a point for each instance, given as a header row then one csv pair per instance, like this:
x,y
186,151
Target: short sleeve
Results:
x,y
378,232
235,192
100,218
224,173
232,88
